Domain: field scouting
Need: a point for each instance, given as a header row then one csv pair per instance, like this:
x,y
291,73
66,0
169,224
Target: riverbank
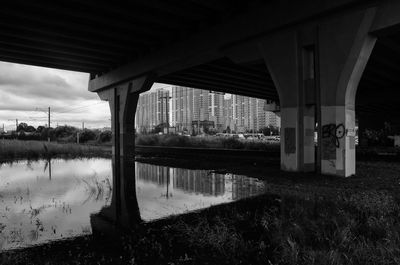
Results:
x,y
269,229
208,149
303,219
213,142
16,149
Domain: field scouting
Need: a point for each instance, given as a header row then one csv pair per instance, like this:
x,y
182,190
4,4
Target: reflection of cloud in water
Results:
x,y
36,209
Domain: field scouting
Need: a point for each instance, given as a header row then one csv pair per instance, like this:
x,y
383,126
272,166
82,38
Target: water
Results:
x,y
44,201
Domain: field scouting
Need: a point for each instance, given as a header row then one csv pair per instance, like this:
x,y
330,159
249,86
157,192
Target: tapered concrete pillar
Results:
x,y
283,55
124,210
345,46
316,69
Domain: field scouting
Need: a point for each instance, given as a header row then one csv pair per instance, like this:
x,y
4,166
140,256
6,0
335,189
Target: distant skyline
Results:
x,y
27,91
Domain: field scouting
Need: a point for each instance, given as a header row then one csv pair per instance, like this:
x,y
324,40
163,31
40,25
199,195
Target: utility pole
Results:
x,y
48,136
49,117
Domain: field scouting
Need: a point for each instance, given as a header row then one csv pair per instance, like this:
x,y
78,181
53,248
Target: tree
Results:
x,y
105,136
65,131
39,129
47,133
157,129
22,127
270,130
87,135
30,129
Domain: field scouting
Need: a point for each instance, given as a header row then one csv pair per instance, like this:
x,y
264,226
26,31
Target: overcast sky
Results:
x,y
27,91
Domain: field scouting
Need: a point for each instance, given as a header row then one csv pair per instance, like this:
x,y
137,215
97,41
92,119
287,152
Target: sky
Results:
x,y
26,92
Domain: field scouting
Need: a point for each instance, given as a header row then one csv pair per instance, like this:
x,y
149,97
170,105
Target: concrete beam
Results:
x,y
387,19
213,43
138,85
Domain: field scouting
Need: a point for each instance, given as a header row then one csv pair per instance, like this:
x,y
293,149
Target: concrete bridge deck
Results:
x,y
325,62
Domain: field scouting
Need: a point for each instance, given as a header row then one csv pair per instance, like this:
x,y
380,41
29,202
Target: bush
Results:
x,y
15,149
86,135
105,137
200,142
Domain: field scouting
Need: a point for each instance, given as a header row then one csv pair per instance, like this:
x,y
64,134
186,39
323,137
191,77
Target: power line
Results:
x,y
59,112
73,106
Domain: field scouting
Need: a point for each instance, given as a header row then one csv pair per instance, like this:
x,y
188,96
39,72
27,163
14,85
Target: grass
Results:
x,y
14,149
269,229
278,230
201,142
97,189
302,220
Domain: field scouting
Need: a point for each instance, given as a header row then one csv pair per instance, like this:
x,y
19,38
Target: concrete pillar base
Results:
x,y
338,153
289,139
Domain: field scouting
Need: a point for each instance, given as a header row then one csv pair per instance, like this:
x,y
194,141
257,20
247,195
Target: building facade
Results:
x,y
182,108
152,110
190,110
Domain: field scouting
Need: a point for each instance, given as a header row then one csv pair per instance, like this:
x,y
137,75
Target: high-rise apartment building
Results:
x,y
241,111
192,110
182,108
195,106
216,109
228,123
152,110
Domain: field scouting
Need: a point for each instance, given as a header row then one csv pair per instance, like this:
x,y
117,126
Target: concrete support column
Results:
x,y
123,99
283,55
345,46
316,69
308,141
338,141
290,139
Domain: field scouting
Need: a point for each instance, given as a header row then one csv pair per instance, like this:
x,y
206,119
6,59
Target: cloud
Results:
x,y
27,91
32,81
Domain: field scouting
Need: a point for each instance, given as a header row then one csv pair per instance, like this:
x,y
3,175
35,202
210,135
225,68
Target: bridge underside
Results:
x,y
324,61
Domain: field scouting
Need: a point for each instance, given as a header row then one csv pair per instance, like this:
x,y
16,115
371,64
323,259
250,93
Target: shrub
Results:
x,y
86,135
105,137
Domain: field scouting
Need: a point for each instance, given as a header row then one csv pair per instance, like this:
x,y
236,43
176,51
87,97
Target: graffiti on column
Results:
x,y
333,132
331,135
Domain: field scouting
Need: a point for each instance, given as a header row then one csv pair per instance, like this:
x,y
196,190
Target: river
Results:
x,y
48,200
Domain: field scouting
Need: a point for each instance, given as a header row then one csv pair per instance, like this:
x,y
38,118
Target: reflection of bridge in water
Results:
x,y
203,182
